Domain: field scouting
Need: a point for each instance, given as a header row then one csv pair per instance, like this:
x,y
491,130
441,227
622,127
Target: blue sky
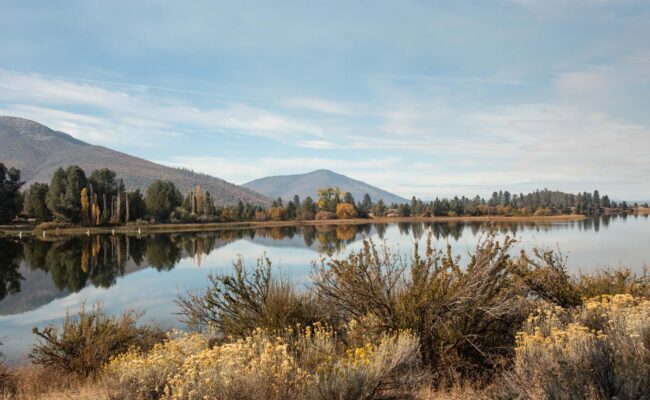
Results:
x,y
425,98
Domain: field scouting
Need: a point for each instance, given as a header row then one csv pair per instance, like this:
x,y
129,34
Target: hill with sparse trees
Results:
x,y
38,151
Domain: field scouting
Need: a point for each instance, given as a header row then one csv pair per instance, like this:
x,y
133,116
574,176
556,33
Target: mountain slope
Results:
x,y
286,186
38,151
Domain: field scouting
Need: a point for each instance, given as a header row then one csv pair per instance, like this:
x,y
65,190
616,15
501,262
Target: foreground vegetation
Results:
x,y
100,199
375,324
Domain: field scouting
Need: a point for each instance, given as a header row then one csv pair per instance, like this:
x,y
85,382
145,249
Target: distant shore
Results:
x,y
29,230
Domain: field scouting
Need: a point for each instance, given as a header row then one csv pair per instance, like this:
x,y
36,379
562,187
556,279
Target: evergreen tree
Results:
x,y
290,211
379,208
366,203
137,206
64,195
34,202
161,199
56,193
348,198
11,201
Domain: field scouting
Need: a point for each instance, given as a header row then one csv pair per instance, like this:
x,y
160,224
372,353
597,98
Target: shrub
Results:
x,y
465,317
180,214
299,363
88,340
305,216
144,375
600,350
238,303
546,276
324,215
543,212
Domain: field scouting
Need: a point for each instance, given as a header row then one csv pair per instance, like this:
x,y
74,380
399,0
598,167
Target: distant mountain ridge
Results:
x,y
38,151
286,186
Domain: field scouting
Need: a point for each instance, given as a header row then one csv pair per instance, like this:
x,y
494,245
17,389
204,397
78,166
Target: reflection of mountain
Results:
x,y
37,288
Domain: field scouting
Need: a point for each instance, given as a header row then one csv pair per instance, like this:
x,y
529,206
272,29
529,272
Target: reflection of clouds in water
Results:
x,y
117,271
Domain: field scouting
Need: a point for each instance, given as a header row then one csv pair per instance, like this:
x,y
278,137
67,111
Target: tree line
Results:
x,y
100,199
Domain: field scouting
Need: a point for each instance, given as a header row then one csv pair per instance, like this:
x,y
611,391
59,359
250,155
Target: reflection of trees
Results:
x,y
309,235
418,230
381,230
162,252
74,262
136,248
106,257
100,260
10,255
404,228
346,232
445,230
62,261
328,243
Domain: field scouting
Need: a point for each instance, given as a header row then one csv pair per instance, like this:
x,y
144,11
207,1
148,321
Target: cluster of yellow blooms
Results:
x,y
186,366
615,319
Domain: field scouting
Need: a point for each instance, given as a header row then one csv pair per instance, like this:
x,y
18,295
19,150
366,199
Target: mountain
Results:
x,y
286,186
38,151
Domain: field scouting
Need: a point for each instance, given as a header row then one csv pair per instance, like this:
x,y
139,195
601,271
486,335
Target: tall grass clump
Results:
x,y
87,340
297,364
599,350
7,380
614,281
236,304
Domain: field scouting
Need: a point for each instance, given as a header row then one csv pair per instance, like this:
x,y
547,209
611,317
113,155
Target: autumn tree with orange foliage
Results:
x,y
346,211
276,213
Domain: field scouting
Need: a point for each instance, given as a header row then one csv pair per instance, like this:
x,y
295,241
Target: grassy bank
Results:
x,y
67,230
373,325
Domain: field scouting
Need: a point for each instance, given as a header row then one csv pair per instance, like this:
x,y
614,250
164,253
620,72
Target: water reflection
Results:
x,y
100,260
41,280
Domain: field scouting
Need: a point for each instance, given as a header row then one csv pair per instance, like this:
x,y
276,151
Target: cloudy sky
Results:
x,y
431,98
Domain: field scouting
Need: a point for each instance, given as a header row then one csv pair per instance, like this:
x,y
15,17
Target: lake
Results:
x,y
41,280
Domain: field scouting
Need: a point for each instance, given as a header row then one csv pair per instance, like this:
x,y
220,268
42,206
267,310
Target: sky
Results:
x,y
424,98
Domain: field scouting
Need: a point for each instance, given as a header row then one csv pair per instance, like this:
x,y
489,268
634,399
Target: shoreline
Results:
x,y
29,230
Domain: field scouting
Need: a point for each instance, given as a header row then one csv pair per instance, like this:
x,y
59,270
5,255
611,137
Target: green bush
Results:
x,y
89,339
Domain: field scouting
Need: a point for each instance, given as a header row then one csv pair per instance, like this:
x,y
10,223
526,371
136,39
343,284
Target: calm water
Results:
x,y
40,281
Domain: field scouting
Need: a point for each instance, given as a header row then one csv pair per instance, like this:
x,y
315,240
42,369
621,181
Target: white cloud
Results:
x,y
324,106
50,101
